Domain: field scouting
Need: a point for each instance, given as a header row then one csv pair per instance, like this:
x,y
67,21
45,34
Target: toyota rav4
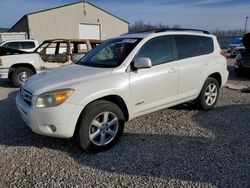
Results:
x,y
123,78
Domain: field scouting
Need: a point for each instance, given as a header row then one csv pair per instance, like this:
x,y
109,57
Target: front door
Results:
x,y
156,86
56,55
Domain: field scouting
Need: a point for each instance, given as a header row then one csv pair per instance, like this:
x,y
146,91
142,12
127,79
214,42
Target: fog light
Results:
x,y
53,128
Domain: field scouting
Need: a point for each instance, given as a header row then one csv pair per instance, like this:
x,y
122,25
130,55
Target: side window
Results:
x,y
187,46
159,50
12,45
62,48
78,48
207,44
27,45
51,49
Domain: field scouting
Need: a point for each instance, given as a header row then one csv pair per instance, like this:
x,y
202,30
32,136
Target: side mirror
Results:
x,y
141,63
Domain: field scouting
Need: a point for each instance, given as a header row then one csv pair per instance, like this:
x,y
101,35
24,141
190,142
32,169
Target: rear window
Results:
x,y
191,46
27,45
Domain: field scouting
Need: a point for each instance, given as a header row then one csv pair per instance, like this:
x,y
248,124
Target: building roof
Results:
x,y
66,6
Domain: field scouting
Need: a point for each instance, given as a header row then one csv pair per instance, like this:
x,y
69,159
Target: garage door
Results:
x,y
88,31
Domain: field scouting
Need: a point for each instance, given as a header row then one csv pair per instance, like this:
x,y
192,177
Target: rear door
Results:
x,y
157,86
193,63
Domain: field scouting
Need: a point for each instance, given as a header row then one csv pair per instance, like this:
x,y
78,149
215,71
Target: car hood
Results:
x,y
64,77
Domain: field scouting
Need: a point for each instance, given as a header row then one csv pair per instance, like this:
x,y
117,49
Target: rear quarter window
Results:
x,y
27,45
207,44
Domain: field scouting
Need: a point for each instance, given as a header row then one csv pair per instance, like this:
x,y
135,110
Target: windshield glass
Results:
x,y
41,47
110,53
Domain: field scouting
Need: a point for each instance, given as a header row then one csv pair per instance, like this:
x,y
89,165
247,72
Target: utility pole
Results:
x,y
245,30
84,4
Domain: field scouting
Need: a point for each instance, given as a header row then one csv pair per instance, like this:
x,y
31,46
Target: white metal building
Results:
x,y
80,20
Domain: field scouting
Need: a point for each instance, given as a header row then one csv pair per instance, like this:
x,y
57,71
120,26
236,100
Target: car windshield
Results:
x,y
110,53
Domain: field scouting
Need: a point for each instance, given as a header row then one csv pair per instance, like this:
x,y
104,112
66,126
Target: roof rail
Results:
x,y
173,29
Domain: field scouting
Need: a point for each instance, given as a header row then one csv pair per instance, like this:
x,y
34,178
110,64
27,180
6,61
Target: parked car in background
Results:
x,y
121,79
242,63
236,43
19,66
23,45
235,51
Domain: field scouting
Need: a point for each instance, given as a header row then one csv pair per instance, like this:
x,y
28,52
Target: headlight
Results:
x,y
53,98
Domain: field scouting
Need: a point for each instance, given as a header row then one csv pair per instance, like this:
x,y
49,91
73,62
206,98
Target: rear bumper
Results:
x,y
242,67
4,73
224,78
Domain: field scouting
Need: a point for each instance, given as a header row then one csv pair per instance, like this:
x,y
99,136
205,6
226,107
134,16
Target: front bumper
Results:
x,y
64,117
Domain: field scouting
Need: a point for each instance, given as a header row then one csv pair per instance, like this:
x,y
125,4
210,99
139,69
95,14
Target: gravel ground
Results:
x,y
176,147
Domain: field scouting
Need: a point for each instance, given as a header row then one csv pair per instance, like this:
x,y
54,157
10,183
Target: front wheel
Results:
x,y
101,126
209,94
20,75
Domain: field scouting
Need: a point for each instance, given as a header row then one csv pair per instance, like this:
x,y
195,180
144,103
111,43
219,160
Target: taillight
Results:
x,y
223,54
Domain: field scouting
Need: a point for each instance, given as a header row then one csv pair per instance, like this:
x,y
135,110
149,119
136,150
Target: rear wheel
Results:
x,y
101,126
20,75
209,94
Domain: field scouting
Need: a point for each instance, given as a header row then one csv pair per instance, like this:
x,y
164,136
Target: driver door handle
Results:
x,y
205,63
172,70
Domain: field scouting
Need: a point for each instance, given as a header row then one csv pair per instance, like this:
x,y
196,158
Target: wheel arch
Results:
x,y
15,66
216,76
116,99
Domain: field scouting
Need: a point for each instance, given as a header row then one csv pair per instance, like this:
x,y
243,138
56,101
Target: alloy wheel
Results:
x,y
103,128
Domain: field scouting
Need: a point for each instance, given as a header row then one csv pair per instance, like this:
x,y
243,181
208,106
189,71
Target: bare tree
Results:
x,y
229,33
139,26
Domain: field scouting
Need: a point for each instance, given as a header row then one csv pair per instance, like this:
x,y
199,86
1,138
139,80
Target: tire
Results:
x,y
21,74
209,94
96,134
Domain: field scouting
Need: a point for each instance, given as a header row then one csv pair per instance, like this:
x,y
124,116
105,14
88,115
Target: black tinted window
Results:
x,y
12,45
27,45
187,46
207,44
159,50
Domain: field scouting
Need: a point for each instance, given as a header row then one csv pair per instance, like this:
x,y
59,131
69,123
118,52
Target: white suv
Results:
x,y
24,45
123,78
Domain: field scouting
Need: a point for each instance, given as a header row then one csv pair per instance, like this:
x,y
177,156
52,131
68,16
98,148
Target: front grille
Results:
x,y
27,97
